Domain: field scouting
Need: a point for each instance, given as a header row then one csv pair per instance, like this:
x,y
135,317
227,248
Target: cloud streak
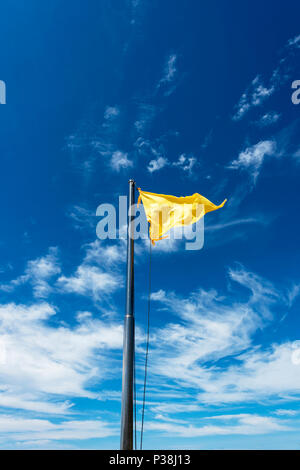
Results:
x,y
38,273
258,91
46,364
193,352
253,157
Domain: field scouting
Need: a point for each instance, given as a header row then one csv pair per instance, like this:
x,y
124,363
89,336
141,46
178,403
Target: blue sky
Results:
x,y
184,97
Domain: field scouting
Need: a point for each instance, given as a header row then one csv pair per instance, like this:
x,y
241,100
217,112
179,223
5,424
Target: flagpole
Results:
x,y
126,442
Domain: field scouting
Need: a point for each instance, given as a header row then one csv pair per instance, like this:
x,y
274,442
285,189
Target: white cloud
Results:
x,y
261,375
167,407
159,295
146,147
213,328
185,163
48,363
170,69
120,160
38,272
111,112
297,154
96,277
96,139
255,95
91,281
246,424
103,254
207,328
294,42
252,157
268,119
41,270
158,164
156,150
145,114
83,218
170,72
258,92
293,293
285,412
6,267
40,432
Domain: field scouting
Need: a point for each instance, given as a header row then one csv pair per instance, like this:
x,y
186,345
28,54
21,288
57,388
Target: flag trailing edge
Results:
x,y
164,212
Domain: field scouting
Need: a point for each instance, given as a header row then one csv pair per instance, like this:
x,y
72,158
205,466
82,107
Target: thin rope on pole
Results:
x,y
147,343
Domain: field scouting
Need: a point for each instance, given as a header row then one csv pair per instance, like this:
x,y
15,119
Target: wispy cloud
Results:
x,y
167,82
246,424
99,139
261,89
285,412
82,216
40,433
186,163
120,160
192,351
252,157
255,95
46,364
208,328
156,148
97,276
268,119
269,375
294,42
89,281
293,293
170,69
101,254
158,164
38,273
146,112
110,113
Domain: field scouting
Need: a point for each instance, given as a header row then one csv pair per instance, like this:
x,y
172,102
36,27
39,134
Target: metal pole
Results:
x,y
128,336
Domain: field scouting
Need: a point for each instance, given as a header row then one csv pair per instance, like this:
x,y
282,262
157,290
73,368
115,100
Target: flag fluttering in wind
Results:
x,y
164,212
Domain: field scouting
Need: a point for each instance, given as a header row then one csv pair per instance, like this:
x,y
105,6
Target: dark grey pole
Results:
x,y
128,336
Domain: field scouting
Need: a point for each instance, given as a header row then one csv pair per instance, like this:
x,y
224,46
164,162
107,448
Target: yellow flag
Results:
x,y
164,212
